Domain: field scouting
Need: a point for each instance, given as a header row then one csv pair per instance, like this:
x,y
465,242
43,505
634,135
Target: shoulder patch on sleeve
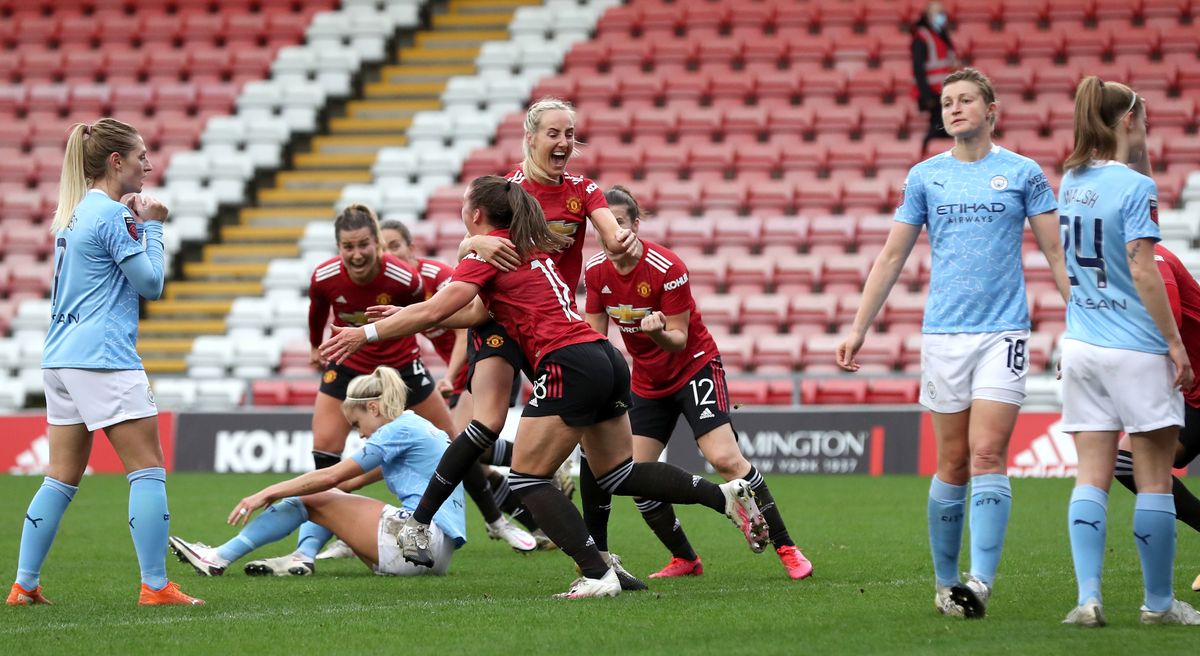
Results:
x,y
131,225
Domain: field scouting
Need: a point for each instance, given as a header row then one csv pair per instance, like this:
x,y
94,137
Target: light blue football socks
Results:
x,y
946,505
1154,534
1087,524
150,523
41,525
991,503
312,537
275,523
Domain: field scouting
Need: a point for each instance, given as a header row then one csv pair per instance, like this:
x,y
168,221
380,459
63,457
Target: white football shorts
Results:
x,y
957,368
392,563
98,398
1112,389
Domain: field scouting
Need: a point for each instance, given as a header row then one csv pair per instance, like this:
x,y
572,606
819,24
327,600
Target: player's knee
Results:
x,y
987,459
730,465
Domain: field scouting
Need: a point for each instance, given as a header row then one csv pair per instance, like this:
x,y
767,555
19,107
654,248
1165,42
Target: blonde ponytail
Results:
x,y
1099,107
384,385
85,161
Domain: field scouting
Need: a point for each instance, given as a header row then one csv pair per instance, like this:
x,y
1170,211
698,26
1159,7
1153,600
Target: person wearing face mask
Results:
x,y
974,200
1124,362
932,60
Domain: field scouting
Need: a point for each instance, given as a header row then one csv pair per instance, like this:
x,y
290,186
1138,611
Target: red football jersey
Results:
x,y
1184,294
434,276
533,303
659,282
331,287
566,206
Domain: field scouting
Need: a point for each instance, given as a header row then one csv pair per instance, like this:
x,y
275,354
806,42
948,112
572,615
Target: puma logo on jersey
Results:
x,y
938,184
707,414
606,290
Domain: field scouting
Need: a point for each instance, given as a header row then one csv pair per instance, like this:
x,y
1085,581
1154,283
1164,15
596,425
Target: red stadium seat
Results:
x,y
719,309
303,392
737,351
748,392
849,391
812,309
269,392
881,349
893,391
738,232
779,351
764,309
781,392
49,98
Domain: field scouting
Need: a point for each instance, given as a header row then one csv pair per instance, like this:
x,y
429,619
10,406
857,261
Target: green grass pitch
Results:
x,y
872,590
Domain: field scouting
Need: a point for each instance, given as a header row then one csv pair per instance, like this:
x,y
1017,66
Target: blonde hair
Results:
x,y
85,161
384,386
1099,108
981,81
533,120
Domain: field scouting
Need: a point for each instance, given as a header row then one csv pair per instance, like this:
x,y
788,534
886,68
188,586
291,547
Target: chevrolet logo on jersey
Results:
x,y
355,319
564,228
627,313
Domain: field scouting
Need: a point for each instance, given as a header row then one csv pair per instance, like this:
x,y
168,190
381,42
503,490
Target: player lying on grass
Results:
x,y
401,448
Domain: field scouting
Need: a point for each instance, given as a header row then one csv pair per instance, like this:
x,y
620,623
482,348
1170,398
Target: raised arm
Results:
x,y
410,320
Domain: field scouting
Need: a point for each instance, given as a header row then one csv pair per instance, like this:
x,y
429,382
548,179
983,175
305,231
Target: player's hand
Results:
x,y
146,208
315,359
847,350
128,200
496,251
626,242
343,343
445,387
1184,376
246,507
654,322
378,312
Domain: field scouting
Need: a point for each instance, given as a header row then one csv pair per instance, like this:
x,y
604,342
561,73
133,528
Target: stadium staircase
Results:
x,y
235,263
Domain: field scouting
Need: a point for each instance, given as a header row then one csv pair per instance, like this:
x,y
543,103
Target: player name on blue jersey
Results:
x,y
1105,206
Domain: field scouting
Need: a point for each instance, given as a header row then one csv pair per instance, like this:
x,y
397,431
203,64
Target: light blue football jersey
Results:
x,y
1102,208
94,307
975,214
409,449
